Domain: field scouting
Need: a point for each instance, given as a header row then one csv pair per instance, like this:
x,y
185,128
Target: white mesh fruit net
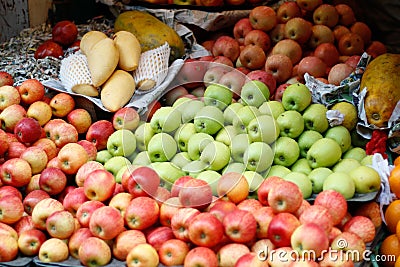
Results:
x,y
153,66
74,70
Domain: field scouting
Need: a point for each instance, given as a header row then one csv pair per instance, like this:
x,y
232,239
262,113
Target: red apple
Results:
x,y
214,73
120,201
125,241
32,198
196,194
99,132
280,66
31,90
99,185
288,10
281,228
334,202
277,33
161,195
173,252
376,48
264,76
339,31
279,91
178,184
298,29
312,65
94,250
221,208
252,57
328,53
81,119
352,61
263,218
339,72
205,230
62,104
181,220
76,239
159,235
6,190
290,48
265,187
240,226
371,210
201,257
258,37
285,196
74,199
141,213
172,95
106,222
346,14
52,180
72,156
6,78
41,111
86,210
33,184
362,29
60,224
319,214
348,241
249,204
11,209
326,14
320,34
250,259
90,149
229,254
241,28
43,209
351,44
61,133
223,60
233,80
85,169
30,241
226,46
64,32
143,181
191,73
15,172
28,130
167,209
263,18
361,226
48,146
49,48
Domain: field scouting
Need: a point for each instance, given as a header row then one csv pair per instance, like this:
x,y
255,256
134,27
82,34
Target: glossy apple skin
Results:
x,y
64,32
28,130
49,48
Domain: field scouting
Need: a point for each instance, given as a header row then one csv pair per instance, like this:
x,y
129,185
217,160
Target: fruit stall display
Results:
x,y
265,151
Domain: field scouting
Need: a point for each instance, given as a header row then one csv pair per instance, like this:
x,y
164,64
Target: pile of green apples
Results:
x,y
250,134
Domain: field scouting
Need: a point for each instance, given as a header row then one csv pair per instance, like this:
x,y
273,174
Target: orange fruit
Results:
x,y
397,263
396,161
394,181
392,215
390,247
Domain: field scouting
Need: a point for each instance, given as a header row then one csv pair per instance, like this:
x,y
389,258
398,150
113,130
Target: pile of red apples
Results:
x,y
298,37
57,202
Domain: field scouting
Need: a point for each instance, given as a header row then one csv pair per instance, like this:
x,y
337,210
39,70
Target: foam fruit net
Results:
x,y
74,70
153,65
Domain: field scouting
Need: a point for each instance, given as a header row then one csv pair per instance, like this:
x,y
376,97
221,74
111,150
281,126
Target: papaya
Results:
x,y
381,78
150,31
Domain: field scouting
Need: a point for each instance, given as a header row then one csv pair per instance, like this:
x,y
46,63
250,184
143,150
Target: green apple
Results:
x,y
226,134
114,164
357,153
263,128
287,151
209,119
291,123
181,103
258,157
302,181
218,95
325,152
182,135
366,179
166,119
315,117
345,165
340,182
103,155
212,178
317,177
238,167
231,112
143,133
341,135
238,146
296,96
254,179
181,159
301,165
367,160
216,155
197,142
272,107
168,172
121,142
190,109
195,167
142,159
243,118
162,147
306,140
277,170
254,93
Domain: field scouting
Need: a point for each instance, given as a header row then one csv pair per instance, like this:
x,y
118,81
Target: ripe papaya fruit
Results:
x,y
150,31
382,79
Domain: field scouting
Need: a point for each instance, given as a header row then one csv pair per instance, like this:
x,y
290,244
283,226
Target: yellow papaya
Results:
x,y
150,31
382,79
